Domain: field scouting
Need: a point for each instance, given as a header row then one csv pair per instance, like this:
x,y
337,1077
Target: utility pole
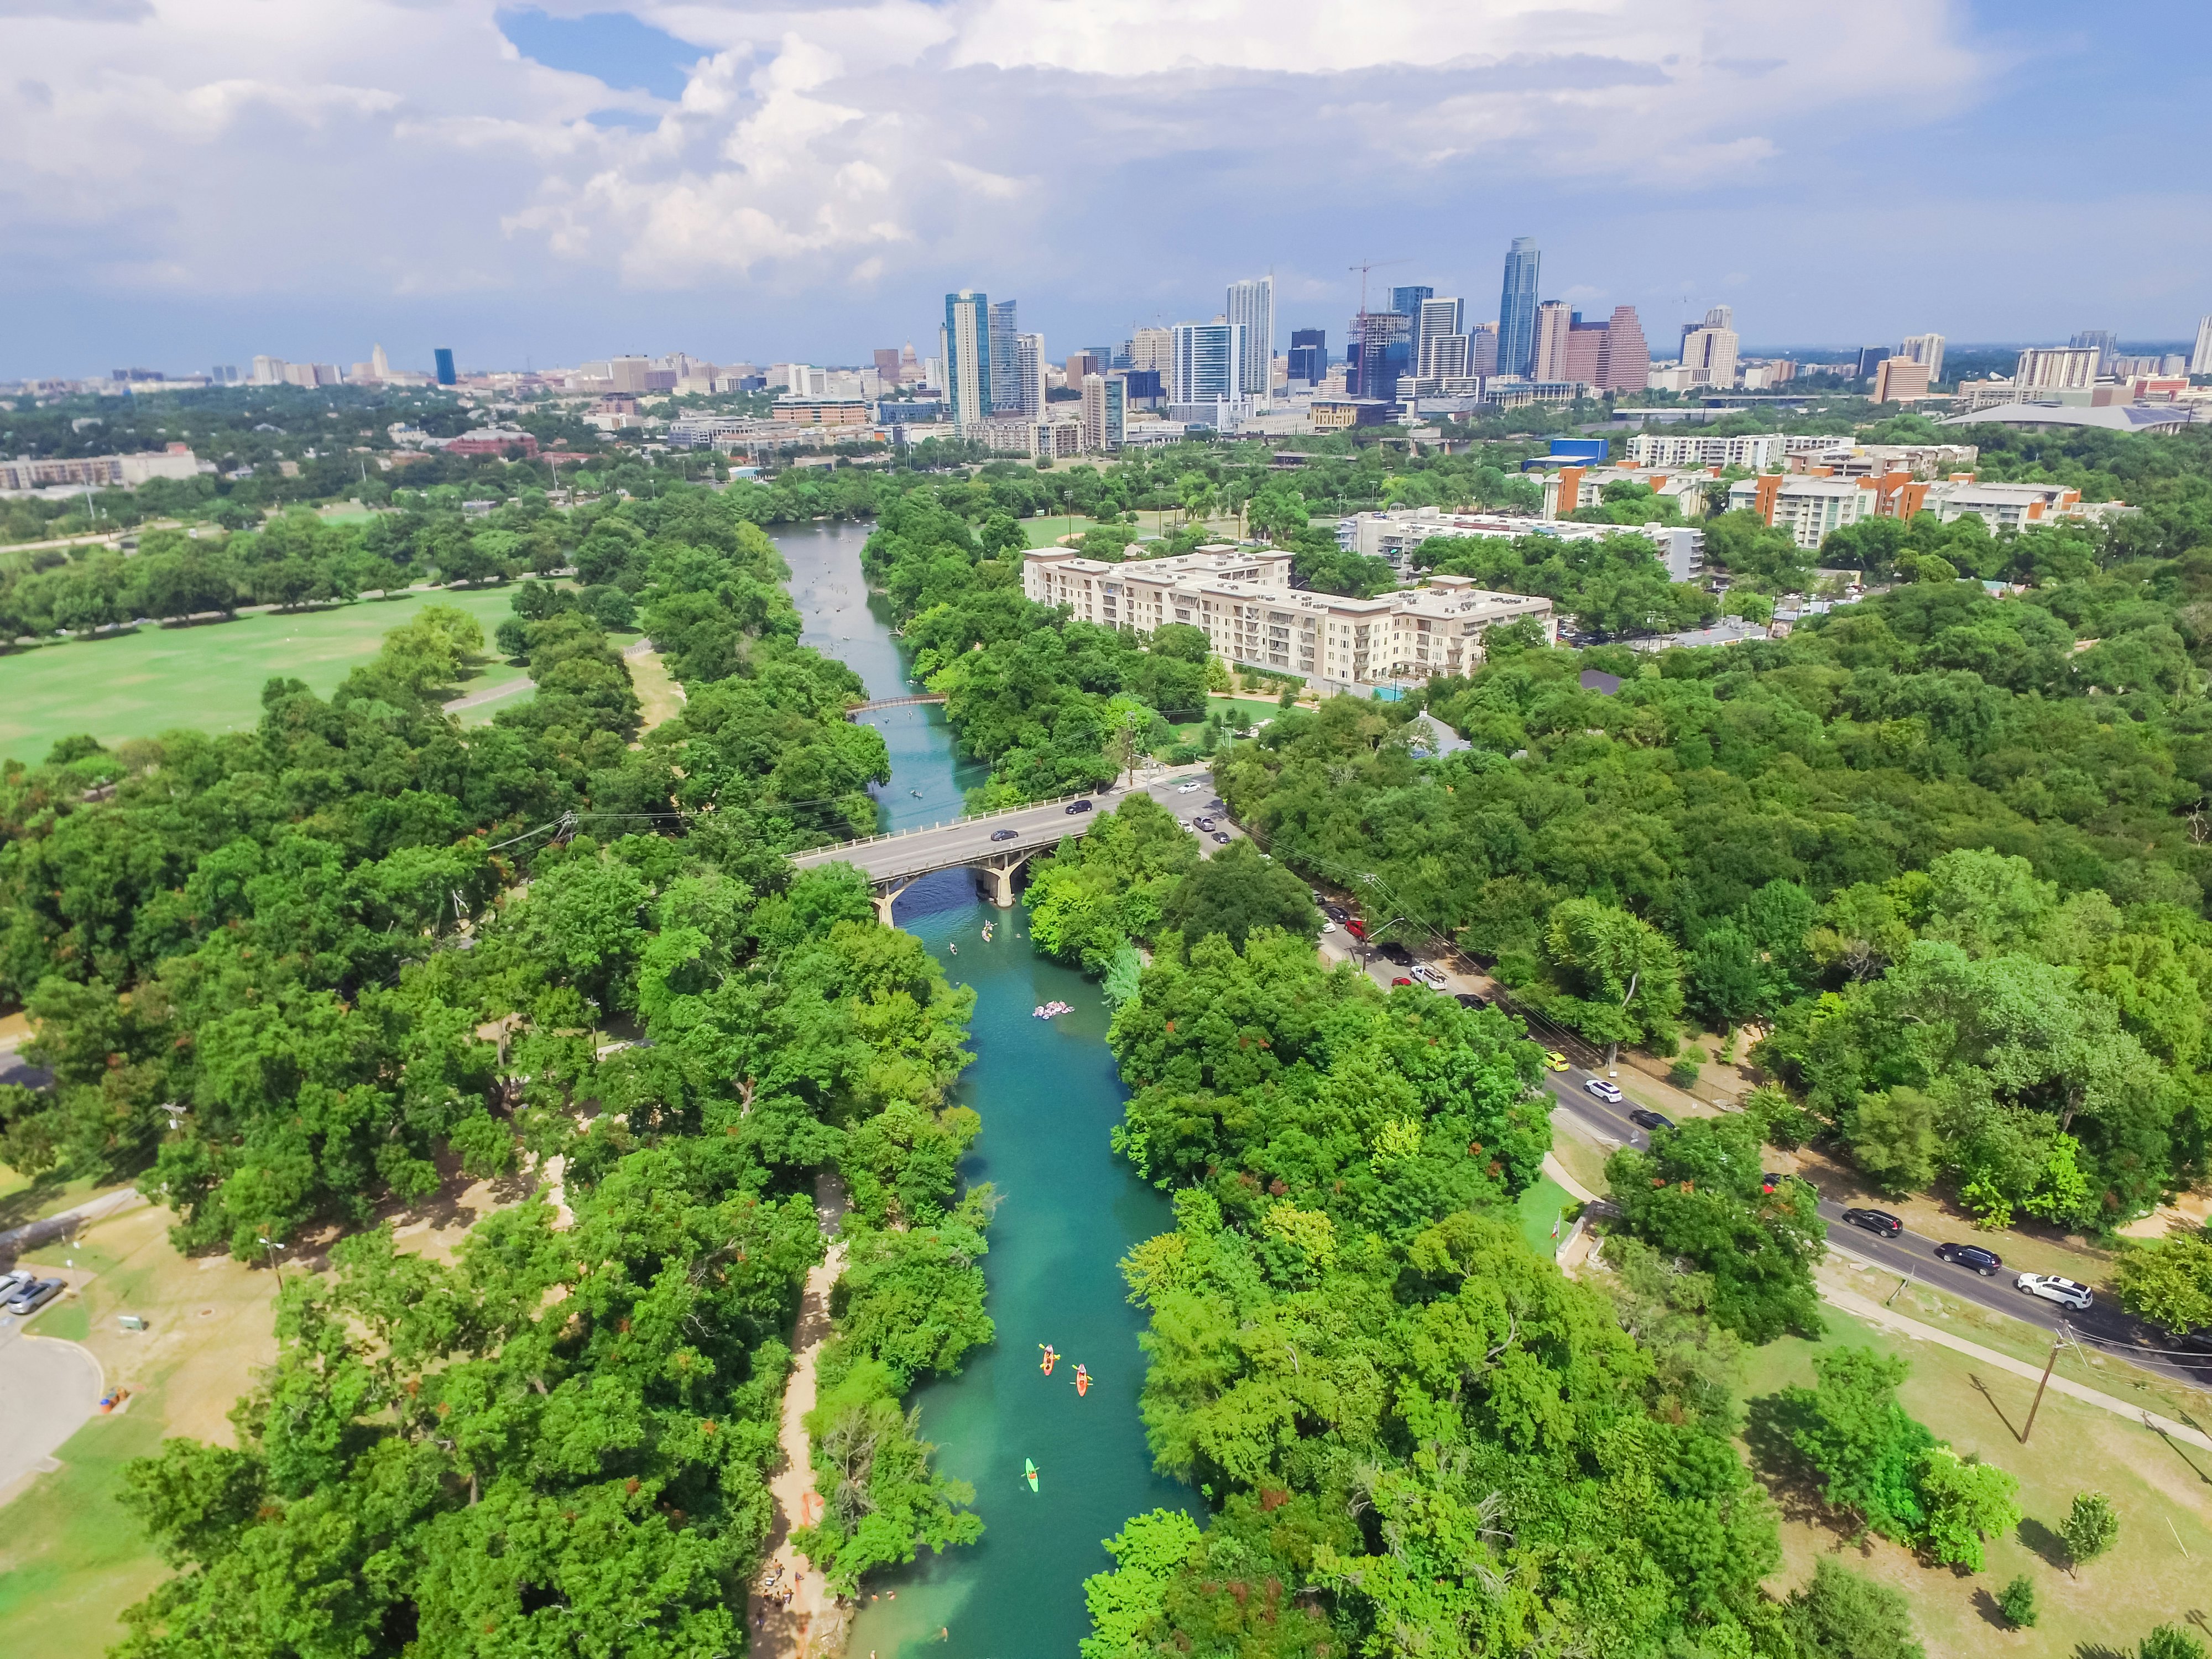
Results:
x,y
2056,1342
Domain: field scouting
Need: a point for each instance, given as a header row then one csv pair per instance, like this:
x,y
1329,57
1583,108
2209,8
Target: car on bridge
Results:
x,y
1003,835
1075,806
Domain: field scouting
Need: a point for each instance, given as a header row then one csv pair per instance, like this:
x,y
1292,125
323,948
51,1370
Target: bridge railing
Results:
x,y
816,854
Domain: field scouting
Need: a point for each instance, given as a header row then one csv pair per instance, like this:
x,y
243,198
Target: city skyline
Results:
x,y
773,184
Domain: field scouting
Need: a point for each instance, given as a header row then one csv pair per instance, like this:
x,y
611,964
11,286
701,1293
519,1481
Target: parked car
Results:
x,y
1644,1118
11,1283
1079,806
1356,927
1336,912
1604,1091
1328,927
1429,976
1203,823
2067,1292
1402,980
1554,1060
33,1296
1771,1180
1002,834
1391,951
1876,1221
1222,835
1468,999
1984,1262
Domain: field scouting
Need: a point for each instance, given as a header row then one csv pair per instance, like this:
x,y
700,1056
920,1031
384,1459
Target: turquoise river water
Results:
x,y
1069,1211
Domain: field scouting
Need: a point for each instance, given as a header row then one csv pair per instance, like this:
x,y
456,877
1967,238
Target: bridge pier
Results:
x,y
886,894
999,870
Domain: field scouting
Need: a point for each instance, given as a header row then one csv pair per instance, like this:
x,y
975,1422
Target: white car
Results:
x,y
1606,1091
1329,927
1427,975
1189,786
2066,1292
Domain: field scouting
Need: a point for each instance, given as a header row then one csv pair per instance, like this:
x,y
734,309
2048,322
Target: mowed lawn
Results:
x,y
138,685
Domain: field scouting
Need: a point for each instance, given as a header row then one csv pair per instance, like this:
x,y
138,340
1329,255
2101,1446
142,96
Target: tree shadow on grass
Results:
x,y
1770,1422
2046,1545
1986,1605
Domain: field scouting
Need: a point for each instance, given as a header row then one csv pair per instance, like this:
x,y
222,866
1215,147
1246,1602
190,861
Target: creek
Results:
x,y
1069,1210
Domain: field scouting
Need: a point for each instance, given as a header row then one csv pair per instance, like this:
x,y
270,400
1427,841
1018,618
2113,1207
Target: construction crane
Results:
x,y
1373,264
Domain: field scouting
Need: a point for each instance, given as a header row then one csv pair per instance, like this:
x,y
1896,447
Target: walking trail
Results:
x,y
814,1622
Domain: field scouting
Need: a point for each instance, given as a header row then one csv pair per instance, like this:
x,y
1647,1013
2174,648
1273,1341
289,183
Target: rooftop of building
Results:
x,y
2113,417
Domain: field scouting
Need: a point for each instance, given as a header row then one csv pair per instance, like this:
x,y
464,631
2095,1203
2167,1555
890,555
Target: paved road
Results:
x,y
1911,1253
918,852
2105,1326
48,1391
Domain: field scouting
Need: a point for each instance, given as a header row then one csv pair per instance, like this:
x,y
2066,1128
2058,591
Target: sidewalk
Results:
x,y
1865,1308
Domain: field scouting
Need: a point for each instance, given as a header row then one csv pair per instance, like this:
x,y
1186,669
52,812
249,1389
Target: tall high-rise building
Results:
x,y
268,370
1436,319
1252,308
1443,357
378,364
1103,403
1205,363
1585,352
629,375
1381,354
1516,309
1709,351
887,364
1407,301
2057,368
1029,385
1004,326
1549,360
1309,358
225,374
445,360
2200,361
1089,361
1927,350
1900,379
1152,349
1624,361
2101,341
1482,350
966,349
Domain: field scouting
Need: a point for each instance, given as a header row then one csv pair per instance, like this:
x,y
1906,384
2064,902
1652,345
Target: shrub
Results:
x,y
2016,1601
1841,1614
2169,1641
2090,1527
1684,1071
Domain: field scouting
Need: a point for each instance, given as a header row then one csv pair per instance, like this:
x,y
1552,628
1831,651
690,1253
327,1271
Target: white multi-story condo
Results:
x,y
1243,600
1251,309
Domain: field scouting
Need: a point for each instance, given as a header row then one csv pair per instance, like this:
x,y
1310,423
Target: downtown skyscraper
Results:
x,y
1516,309
1252,308
965,343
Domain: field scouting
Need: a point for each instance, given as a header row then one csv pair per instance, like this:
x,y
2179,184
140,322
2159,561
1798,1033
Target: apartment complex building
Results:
x,y
1242,599
127,471
1810,507
1395,535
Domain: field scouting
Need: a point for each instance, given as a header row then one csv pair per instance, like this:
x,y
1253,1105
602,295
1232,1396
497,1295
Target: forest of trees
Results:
x,y
295,980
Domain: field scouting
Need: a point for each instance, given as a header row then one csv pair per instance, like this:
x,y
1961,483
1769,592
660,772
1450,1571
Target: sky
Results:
x,y
188,182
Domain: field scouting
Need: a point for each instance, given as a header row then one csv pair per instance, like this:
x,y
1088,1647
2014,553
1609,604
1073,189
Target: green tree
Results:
x,y
2091,1527
1618,979
1124,1603
1966,1502
1238,892
1856,1436
2016,1601
2169,1641
2169,1280
1696,1196
1842,1614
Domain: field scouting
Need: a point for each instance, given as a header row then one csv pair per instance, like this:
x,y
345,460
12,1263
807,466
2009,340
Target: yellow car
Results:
x,y
1555,1060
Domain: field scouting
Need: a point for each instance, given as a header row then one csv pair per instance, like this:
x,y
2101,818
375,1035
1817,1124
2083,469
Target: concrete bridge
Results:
x,y
893,702
996,845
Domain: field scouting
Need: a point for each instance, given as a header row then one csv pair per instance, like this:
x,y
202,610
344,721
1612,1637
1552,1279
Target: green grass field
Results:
x,y
2162,1490
138,685
1541,1209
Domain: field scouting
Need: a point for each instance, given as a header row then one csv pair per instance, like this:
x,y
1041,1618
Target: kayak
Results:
x,y
1082,1381
1029,1473
1050,1357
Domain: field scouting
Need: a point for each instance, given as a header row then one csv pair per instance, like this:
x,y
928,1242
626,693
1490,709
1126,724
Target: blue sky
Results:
x,y
192,181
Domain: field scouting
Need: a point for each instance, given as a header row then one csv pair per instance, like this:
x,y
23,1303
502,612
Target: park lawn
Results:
x,y
71,1558
659,696
1046,531
1542,1208
2162,1491
1582,1159
208,677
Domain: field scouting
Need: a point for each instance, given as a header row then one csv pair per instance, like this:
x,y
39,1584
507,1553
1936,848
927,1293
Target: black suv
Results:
x,y
1392,951
1876,1221
1468,999
1982,1261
